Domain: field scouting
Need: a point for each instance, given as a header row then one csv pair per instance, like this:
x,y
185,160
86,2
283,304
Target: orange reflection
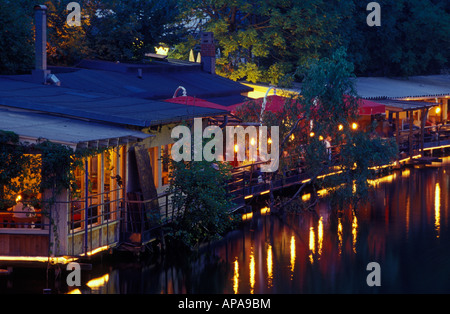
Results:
x,y
320,235
236,276
312,246
354,232
437,209
269,266
339,233
292,251
252,271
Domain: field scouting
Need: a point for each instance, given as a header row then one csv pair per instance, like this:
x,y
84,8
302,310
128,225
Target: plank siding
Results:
x,y
23,245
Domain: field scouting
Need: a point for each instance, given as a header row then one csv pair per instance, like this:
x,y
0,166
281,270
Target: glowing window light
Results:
x,y
247,216
265,210
306,197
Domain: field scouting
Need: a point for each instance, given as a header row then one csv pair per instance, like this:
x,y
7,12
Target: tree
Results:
x,y
198,189
67,45
410,40
126,30
266,41
114,30
326,109
17,46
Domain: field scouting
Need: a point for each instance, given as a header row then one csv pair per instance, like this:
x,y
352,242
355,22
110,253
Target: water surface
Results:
x,y
404,228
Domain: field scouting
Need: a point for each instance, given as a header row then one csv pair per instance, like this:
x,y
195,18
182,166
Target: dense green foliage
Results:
x,y
413,39
328,101
198,189
114,30
260,41
16,49
267,40
32,169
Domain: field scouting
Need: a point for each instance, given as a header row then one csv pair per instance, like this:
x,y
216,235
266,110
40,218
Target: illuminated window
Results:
x,y
104,191
165,171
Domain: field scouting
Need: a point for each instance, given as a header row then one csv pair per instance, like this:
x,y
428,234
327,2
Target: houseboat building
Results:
x,y
133,128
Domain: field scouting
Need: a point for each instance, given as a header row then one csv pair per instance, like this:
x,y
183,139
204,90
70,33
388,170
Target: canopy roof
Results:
x,y
405,105
32,127
276,103
193,101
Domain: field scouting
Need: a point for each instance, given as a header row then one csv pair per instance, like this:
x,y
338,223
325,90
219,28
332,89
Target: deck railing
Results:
x,y
24,219
95,221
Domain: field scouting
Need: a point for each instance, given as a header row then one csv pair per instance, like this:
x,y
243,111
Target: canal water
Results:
x,y
404,227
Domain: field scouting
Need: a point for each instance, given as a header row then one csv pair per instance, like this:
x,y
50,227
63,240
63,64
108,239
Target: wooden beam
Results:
x,y
424,113
410,125
397,129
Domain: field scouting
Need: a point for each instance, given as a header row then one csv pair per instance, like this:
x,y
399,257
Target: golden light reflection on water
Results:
x,y
236,276
437,209
269,266
252,271
313,242
320,236
292,253
312,245
339,233
354,232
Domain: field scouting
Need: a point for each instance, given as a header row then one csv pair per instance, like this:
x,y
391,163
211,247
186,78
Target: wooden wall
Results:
x,y
23,245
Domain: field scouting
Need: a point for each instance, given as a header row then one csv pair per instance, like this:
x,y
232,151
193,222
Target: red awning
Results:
x,y
193,101
368,107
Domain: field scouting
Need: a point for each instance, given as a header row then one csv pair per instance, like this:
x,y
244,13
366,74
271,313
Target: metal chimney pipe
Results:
x,y
40,23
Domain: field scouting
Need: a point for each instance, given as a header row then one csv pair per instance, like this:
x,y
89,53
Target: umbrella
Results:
x,y
198,102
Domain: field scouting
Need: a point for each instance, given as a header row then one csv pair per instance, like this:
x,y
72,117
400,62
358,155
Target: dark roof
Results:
x,y
76,133
405,105
159,80
105,107
412,87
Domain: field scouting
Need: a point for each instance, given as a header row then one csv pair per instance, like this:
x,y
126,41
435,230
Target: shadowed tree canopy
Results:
x,y
413,39
271,41
259,41
115,30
